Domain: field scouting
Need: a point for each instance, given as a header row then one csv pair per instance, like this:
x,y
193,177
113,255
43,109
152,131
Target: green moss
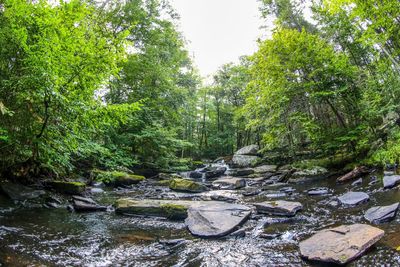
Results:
x,y
116,178
163,183
187,186
73,188
174,211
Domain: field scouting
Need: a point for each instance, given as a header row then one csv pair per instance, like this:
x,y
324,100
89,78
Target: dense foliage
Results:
x,y
110,85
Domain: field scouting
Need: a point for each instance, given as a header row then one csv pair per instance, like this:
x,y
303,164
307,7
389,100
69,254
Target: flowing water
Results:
x,y
31,235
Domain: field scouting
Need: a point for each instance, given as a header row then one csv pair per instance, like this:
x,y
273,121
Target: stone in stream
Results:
x,y
318,191
240,172
353,198
216,220
279,207
391,181
381,214
229,183
214,172
357,182
19,192
187,186
265,169
86,204
341,244
195,174
71,188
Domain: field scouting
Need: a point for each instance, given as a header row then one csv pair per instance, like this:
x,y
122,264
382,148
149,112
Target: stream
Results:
x,y
33,235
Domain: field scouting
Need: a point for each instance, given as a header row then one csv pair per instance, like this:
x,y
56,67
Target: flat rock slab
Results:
x,y
391,181
353,198
171,209
318,191
20,192
229,183
341,244
216,220
381,214
279,207
265,168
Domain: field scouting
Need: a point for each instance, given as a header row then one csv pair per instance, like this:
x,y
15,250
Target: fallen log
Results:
x,y
354,174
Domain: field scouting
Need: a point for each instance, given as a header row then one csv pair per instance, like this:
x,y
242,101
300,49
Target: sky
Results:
x,y
218,31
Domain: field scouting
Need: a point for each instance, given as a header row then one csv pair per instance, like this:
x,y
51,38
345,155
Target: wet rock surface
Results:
x,y
229,183
279,207
216,220
381,214
341,244
19,192
391,181
353,198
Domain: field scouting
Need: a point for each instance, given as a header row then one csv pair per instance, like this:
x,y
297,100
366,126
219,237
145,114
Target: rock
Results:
x,y
314,173
381,214
195,175
318,191
184,185
216,220
270,236
341,244
71,188
265,168
244,161
357,182
391,181
171,209
86,204
289,190
96,190
279,207
251,192
238,233
117,178
19,192
229,183
354,174
223,198
248,150
240,172
353,198
214,172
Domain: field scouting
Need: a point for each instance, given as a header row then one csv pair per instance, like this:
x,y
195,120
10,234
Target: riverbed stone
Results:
x,y
248,150
229,183
214,172
185,185
312,173
216,220
71,188
318,191
244,161
391,181
84,204
279,207
340,244
381,214
240,172
265,169
19,192
353,198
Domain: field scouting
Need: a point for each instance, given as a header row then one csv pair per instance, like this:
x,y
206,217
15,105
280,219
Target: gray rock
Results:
x,y
195,175
391,181
96,190
265,168
86,204
353,198
341,244
214,172
248,150
357,182
229,183
381,214
240,172
20,192
279,207
244,161
318,191
216,220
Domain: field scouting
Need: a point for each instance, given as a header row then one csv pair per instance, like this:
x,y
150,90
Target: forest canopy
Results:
x,y
111,85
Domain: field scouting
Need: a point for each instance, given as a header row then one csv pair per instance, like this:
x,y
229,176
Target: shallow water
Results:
x,y
33,236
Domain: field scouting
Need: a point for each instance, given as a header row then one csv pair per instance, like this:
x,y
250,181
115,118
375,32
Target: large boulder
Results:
x,y
391,181
214,172
71,188
340,244
229,183
216,220
309,174
244,161
248,150
381,214
353,198
279,207
117,178
19,192
185,185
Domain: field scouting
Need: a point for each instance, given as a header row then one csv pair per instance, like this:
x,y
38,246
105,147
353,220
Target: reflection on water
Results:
x,y
55,237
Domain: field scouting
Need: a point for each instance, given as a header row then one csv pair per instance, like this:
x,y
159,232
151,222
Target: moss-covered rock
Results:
x,y
163,183
117,178
173,210
72,188
187,186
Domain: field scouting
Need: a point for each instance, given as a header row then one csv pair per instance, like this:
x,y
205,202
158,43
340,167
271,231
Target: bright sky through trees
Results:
x,y
219,31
